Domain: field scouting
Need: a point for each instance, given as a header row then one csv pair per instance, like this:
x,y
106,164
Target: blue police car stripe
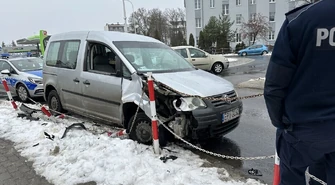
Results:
x,y
12,82
37,73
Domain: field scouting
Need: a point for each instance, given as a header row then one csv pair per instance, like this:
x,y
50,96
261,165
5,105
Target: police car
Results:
x,y
23,76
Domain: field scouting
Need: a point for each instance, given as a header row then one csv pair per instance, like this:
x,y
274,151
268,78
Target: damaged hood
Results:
x,y
197,82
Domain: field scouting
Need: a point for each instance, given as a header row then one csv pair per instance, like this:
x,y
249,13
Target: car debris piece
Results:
x,y
51,137
75,125
255,172
27,116
166,158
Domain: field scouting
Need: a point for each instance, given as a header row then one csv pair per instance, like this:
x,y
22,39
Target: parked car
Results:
x,y
102,75
258,49
23,76
203,60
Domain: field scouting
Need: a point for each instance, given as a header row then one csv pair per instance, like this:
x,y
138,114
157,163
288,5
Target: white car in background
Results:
x,y
203,60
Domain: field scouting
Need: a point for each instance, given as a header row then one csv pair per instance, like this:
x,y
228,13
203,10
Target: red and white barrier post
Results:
x,y
276,171
5,85
154,122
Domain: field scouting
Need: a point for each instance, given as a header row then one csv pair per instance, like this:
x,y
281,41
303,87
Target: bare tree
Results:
x,y
3,44
258,26
140,19
177,25
158,21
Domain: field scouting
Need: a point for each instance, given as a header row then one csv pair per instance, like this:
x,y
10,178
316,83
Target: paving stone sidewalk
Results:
x,y
13,168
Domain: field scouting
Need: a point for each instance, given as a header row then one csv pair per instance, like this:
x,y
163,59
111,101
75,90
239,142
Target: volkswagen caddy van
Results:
x,y
102,75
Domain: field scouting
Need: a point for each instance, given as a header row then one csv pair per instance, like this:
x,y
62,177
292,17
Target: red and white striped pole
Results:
x,y
276,171
154,122
5,85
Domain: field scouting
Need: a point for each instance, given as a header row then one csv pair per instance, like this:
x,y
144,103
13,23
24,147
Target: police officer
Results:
x,y
300,92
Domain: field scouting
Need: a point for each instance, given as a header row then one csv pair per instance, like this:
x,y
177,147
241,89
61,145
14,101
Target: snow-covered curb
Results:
x,y
233,62
82,157
235,55
257,83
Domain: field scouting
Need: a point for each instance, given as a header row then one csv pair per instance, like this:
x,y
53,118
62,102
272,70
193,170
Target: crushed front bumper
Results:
x,y
207,123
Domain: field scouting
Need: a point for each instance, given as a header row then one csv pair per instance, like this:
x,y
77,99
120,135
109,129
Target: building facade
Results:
x,y
115,27
198,13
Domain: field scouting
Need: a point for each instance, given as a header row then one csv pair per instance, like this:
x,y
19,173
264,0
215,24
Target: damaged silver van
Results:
x,y
103,75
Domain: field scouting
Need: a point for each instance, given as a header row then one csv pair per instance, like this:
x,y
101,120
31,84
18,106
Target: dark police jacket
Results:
x,y
300,79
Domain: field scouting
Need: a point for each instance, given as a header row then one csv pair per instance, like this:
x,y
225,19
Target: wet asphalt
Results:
x,y
255,136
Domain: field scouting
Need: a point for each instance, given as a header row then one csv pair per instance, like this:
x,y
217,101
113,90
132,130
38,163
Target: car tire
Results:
x,y
264,52
141,131
217,68
54,102
22,93
244,54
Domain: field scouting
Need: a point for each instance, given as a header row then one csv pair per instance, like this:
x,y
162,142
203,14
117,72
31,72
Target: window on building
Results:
x,y
253,16
272,1
225,8
253,1
238,37
238,18
52,54
238,2
197,4
212,3
198,22
272,16
272,35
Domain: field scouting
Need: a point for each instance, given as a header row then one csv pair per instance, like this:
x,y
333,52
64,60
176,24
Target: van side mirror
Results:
x,y
118,66
5,72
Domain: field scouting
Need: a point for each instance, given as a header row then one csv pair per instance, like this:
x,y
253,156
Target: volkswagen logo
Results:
x,y
227,99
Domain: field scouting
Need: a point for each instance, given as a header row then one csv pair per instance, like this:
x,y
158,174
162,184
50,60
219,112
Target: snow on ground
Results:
x,y
235,55
257,83
232,59
82,156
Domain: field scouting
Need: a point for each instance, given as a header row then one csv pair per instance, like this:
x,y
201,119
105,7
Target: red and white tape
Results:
x,y
154,122
5,85
117,134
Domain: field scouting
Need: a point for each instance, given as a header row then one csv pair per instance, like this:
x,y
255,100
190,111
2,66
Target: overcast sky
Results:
x,y
24,18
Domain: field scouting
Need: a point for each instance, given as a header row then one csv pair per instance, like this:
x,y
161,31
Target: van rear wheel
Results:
x,y
54,101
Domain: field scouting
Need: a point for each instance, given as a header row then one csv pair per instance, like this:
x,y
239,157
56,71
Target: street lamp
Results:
x,y
125,15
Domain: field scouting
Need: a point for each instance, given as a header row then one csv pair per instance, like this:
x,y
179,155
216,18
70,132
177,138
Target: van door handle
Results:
x,y
86,82
193,59
76,80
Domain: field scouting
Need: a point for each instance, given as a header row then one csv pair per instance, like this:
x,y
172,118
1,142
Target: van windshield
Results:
x,y
152,57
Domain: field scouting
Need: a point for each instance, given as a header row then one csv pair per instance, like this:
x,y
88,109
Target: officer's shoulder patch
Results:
x,y
295,12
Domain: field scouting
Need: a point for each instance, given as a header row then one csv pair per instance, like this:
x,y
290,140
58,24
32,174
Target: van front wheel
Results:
x,y
141,130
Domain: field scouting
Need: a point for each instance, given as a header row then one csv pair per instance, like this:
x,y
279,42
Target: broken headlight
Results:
x,y
188,104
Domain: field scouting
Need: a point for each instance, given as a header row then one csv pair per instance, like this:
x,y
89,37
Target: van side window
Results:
x,y
52,55
69,55
100,59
